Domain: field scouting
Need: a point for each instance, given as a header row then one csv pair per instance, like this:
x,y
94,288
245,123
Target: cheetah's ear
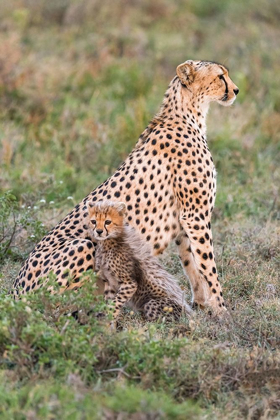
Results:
x,y
121,208
186,72
90,206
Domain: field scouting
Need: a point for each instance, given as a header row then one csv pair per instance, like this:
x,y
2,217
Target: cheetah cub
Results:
x,y
131,274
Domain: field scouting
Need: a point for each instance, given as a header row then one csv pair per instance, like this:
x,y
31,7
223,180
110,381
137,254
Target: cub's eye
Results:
x,y
93,222
221,76
108,222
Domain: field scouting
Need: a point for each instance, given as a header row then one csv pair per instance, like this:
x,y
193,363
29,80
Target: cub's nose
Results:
x,y
99,231
236,91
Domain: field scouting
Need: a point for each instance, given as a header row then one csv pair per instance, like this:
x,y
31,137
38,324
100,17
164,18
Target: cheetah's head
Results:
x,y
105,219
207,81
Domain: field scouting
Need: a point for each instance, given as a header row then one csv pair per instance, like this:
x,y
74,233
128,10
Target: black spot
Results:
x,y
80,262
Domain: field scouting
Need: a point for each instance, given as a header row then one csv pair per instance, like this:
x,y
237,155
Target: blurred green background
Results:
x,y
79,81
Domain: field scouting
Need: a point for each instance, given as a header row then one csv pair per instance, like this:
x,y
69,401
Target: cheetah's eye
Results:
x,y
108,222
93,222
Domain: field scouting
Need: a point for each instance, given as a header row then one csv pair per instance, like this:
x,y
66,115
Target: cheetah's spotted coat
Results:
x,y
168,184
127,267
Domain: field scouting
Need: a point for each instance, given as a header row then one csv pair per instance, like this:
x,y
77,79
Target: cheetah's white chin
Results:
x,y
228,102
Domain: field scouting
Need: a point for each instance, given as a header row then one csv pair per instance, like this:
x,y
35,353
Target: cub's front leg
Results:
x,y
126,290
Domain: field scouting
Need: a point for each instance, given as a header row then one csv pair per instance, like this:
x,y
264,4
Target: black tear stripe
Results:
x,y
226,91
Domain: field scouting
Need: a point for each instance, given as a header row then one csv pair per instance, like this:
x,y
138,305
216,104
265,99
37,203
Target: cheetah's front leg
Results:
x,y
197,256
126,291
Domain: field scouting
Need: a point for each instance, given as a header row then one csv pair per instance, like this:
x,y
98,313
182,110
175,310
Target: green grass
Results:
x,y
79,81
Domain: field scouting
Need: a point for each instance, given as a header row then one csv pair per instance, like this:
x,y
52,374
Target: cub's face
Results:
x,y
106,219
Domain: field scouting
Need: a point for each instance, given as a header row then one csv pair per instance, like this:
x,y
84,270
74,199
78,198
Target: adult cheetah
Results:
x,y
131,274
168,183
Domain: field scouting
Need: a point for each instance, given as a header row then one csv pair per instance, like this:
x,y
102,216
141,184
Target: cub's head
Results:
x,y
208,81
105,219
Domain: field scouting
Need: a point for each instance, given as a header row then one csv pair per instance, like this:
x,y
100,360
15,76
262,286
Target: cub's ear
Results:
x,y
186,72
90,206
121,208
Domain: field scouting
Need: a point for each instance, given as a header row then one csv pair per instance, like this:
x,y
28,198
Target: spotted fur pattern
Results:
x,y
130,272
168,183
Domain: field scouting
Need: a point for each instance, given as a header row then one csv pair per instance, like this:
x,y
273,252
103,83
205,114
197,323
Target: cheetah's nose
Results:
x,y
99,231
236,91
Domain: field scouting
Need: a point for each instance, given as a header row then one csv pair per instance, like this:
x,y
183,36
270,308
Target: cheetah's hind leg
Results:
x,y
156,308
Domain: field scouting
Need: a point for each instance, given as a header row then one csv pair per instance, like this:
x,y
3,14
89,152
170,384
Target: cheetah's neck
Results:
x,y
179,103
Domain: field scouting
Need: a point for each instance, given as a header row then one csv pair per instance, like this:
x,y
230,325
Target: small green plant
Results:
x,y
13,221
